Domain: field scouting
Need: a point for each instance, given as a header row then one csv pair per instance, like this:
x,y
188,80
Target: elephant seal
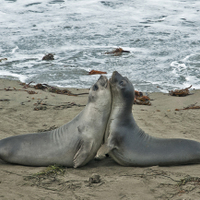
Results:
x,y
129,145
73,144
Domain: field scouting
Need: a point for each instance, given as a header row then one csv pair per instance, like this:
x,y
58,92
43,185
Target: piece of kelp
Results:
x,y
141,99
96,72
180,93
192,106
117,52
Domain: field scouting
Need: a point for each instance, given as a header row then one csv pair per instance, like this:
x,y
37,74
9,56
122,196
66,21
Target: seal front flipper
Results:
x,y
81,156
115,150
112,142
105,148
101,153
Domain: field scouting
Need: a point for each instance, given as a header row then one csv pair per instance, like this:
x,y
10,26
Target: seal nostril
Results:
x,y
115,77
103,81
115,73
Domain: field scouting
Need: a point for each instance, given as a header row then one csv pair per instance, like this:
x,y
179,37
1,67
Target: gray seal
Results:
x,y
73,144
129,145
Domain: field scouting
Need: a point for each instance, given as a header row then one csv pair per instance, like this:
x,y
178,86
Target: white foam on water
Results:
x,y
14,50
162,36
6,74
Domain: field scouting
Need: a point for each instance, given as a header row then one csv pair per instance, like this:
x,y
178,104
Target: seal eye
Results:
x,y
122,83
95,87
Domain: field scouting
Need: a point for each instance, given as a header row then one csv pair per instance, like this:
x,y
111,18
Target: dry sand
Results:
x,y
17,116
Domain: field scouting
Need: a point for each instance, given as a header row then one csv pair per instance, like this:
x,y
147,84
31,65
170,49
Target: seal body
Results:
x,y
73,144
131,146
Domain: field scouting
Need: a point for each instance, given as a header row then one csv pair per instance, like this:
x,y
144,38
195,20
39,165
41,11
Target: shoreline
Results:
x,y
19,116
157,89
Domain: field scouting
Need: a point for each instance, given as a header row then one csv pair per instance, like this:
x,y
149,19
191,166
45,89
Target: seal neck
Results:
x,y
123,107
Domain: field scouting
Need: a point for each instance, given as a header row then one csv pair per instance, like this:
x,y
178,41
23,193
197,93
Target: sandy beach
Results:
x,y
22,112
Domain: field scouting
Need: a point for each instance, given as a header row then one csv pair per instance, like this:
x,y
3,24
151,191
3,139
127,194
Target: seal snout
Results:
x,y
103,81
115,77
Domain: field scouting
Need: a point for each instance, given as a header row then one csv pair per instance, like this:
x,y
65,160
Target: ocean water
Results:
x,y
163,38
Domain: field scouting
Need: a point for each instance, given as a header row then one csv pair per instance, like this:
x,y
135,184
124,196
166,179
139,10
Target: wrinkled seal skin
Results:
x,y
73,144
128,145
